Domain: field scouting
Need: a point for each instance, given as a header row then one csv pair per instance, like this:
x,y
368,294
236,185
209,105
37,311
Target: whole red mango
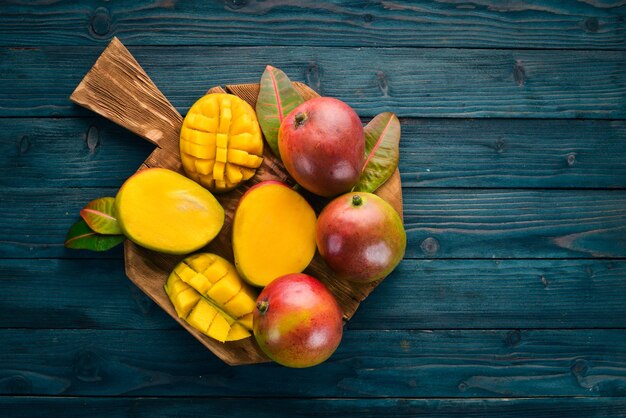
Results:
x,y
297,322
321,143
361,237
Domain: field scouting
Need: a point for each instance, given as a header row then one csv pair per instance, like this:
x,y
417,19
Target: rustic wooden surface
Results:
x,y
511,299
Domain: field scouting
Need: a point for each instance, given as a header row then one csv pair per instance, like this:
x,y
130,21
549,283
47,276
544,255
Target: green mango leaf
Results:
x,y
382,142
81,237
100,216
277,97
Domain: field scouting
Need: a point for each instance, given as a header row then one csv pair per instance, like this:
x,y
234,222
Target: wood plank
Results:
x,y
449,294
473,223
409,81
68,407
483,23
57,293
440,223
91,152
420,294
367,364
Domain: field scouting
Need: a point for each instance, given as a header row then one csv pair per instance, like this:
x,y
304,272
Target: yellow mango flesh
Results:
x,y
208,294
273,233
220,142
164,211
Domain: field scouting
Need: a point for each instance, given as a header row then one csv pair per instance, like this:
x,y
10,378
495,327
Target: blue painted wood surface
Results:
x,y
510,301
413,82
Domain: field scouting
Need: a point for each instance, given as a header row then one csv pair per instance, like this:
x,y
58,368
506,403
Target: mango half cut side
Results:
x,y
273,233
164,211
208,294
220,142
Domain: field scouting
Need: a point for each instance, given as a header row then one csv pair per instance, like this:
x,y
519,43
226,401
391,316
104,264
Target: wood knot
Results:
x,y
313,76
368,18
23,145
499,145
463,386
100,24
18,384
592,24
513,338
519,73
87,366
571,159
430,246
579,368
236,4
92,139
383,83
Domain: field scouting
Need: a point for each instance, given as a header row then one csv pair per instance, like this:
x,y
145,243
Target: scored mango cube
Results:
x,y
185,301
219,328
208,294
239,305
185,272
237,332
202,315
246,320
200,262
175,285
200,283
221,128
225,289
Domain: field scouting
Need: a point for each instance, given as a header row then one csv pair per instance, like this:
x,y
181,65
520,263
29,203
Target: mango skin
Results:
x,y
360,242
297,322
321,143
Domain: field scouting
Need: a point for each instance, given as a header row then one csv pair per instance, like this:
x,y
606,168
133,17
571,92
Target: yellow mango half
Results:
x,y
164,211
220,142
208,294
273,233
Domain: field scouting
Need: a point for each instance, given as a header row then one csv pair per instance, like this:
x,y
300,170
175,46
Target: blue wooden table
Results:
x,y
512,296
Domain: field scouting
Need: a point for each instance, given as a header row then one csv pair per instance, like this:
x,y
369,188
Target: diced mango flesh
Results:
x,y
237,332
220,138
202,316
208,294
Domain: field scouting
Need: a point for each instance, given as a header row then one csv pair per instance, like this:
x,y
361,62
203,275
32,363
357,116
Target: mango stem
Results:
x,y
262,306
300,118
356,200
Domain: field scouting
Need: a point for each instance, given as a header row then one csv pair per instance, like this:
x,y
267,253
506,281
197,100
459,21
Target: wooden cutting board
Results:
x,y
118,88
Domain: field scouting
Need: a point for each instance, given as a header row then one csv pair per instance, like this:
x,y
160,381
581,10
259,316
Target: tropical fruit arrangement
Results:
x,y
265,294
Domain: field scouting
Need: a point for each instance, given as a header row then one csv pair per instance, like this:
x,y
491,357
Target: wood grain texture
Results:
x,y
440,223
463,364
477,23
473,223
504,153
35,407
408,81
420,294
119,89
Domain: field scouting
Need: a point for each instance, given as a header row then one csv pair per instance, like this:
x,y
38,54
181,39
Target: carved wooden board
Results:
x,y
119,89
